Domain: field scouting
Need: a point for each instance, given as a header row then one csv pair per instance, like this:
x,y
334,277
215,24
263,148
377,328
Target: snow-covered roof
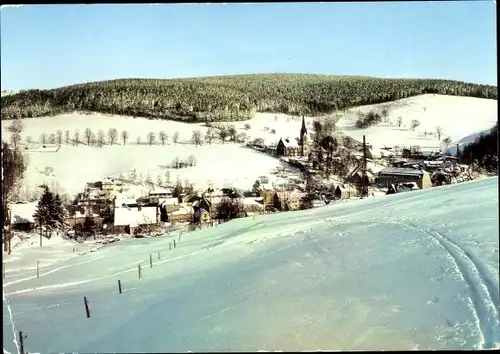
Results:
x,y
22,213
160,191
400,171
168,201
290,142
133,216
183,210
250,201
127,201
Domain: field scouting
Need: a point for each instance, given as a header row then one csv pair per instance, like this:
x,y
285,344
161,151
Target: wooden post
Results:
x,y
87,310
174,243
119,286
150,260
169,246
158,254
21,342
38,269
139,271
179,238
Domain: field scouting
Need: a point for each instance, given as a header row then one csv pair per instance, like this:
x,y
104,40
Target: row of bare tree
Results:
x,y
112,137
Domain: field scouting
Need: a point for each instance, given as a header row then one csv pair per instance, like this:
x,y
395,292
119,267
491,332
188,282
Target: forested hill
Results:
x,y
228,97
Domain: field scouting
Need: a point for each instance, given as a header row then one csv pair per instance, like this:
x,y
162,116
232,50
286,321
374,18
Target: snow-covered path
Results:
x,y
414,270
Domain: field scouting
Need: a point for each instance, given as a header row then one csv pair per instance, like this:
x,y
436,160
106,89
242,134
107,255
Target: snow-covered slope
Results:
x,y
412,270
458,117
71,166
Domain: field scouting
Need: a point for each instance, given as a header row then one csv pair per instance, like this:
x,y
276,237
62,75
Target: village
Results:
x,y
334,168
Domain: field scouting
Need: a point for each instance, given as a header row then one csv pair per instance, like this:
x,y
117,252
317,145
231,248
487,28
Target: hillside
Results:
x,y
227,98
307,280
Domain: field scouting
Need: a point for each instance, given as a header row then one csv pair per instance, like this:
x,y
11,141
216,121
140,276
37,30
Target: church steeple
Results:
x,y
303,130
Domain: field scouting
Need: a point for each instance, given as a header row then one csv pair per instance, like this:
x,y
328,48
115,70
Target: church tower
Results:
x,y
303,138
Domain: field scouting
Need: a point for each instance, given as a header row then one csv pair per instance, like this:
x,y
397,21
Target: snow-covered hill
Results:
x,y
458,117
411,270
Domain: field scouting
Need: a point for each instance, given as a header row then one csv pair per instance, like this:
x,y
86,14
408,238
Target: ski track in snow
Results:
x,y
53,271
484,294
11,321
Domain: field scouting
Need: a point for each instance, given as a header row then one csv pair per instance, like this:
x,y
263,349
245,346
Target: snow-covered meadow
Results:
x,y
460,118
415,270
70,166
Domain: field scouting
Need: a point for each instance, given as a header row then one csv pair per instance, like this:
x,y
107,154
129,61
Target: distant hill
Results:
x,y
225,98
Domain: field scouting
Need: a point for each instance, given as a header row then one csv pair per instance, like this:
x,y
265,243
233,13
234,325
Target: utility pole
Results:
x,y
364,178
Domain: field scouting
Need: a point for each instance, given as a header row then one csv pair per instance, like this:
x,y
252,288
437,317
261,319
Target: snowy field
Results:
x,y
415,270
459,117
222,165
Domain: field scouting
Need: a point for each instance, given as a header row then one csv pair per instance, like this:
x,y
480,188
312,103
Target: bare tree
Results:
x,y
43,138
163,137
241,137
16,126
414,124
13,168
100,139
167,177
223,134
232,133
124,135
385,114
210,135
159,180
29,140
138,140
196,138
52,138
400,121
76,138
447,142
439,132
191,160
66,137
88,135
151,138
112,135
175,137
15,139
59,136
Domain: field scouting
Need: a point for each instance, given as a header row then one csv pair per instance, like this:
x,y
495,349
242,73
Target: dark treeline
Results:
x,y
227,98
484,150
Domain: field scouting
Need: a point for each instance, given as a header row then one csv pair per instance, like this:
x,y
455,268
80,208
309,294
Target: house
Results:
x,y
294,146
183,215
391,175
21,216
290,200
130,218
254,205
341,192
356,176
157,194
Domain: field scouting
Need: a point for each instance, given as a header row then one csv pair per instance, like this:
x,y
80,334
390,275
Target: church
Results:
x,y
294,146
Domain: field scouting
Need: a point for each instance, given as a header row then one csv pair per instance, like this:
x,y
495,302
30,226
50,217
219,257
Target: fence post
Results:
x,y
38,269
21,342
139,269
87,311
158,254
150,260
169,246
119,286
174,243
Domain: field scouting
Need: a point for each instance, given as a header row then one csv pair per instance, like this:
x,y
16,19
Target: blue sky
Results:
x,y
46,46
